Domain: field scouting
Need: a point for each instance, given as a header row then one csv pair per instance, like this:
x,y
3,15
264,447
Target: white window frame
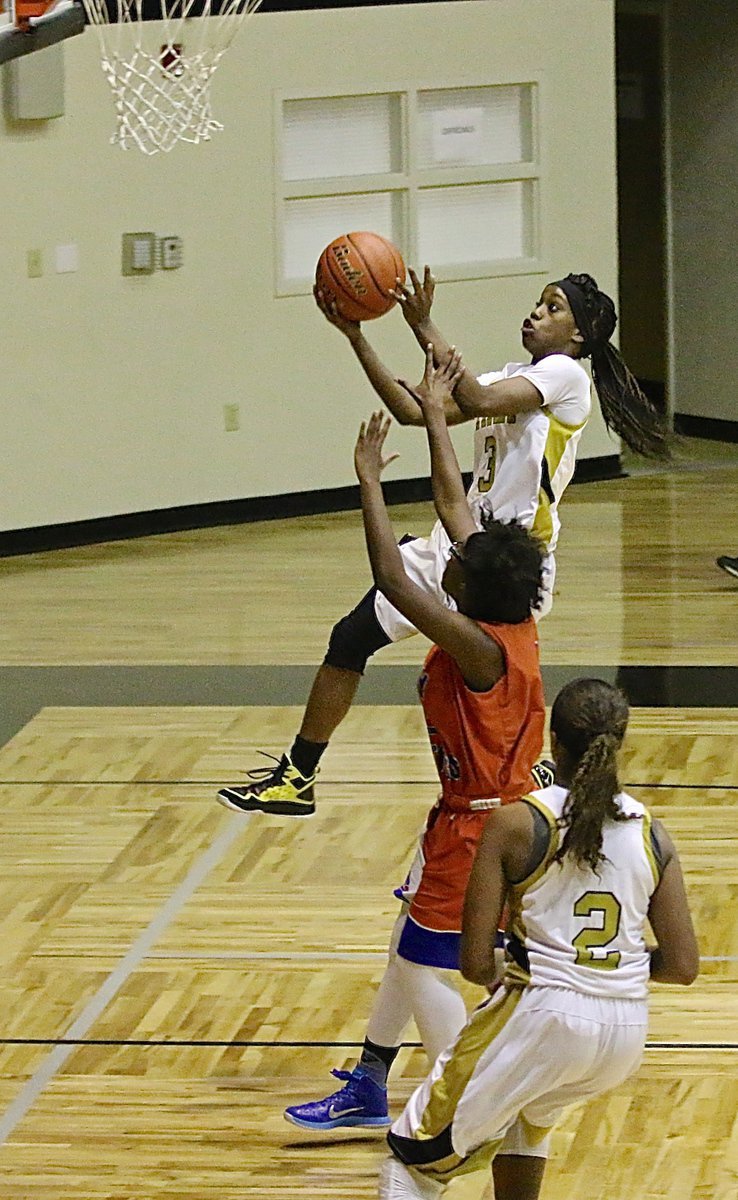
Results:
x,y
407,183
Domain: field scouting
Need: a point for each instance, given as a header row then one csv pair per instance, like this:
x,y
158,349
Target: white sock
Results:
x,y
398,1182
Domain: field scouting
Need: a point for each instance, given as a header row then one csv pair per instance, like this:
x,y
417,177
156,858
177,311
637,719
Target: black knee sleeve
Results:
x,y
356,637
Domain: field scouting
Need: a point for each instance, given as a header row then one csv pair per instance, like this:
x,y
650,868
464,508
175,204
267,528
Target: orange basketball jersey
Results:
x,y
485,743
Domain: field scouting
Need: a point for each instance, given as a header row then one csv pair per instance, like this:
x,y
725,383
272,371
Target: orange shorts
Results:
x,y
448,847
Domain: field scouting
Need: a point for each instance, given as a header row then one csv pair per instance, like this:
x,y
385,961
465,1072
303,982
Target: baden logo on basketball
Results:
x,y
358,272
352,275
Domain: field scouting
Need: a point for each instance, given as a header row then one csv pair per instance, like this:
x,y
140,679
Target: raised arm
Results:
x,y
400,402
449,495
502,398
478,656
676,959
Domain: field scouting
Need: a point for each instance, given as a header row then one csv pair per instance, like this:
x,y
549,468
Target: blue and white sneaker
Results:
x,y
360,1102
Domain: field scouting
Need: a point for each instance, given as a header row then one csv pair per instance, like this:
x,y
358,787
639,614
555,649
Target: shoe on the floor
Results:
x,y
728,564
543,773
360,1102
281,790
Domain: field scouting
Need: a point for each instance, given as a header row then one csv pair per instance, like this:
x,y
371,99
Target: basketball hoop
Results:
x,y
160,71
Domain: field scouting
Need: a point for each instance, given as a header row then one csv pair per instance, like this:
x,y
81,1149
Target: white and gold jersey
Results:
x,y
523,463
573,927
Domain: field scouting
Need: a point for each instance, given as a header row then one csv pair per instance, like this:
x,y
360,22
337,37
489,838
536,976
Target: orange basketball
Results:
x,y
357,270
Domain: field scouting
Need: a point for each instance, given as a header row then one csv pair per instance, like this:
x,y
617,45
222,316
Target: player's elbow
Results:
x,y
476,968
679,966
687,970
472,404
687,961
474,974
392,583
679,974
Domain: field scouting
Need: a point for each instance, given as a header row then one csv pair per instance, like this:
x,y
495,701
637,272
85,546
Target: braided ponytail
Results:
x,y
589,718
625,406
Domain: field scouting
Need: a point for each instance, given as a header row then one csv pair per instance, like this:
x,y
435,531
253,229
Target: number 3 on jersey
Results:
x,y
595,937
484,482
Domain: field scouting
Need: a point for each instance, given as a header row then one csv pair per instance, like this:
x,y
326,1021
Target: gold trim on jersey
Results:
x,y
557,440
484,1025
515,974
523,884
542,526
565,424
648,846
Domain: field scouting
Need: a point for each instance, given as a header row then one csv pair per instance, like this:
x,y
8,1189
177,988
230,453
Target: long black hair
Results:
x,y
625,406
589,718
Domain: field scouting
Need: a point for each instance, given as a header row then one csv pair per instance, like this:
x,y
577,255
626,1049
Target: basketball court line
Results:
x,y
318,956
324,784
130,962
205,1043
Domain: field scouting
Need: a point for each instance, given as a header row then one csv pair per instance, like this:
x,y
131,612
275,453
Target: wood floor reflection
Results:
x,y
260,978
172,975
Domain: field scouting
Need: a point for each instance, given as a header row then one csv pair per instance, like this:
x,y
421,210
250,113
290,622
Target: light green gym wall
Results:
x,y
113,388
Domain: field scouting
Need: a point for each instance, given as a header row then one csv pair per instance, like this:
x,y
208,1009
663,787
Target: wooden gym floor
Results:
x,y
173,975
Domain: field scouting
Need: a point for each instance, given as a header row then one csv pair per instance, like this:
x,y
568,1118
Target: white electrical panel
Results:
x,y
170,253
144,253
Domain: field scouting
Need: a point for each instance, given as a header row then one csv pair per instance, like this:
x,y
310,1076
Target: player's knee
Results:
x,y
355,638
344,648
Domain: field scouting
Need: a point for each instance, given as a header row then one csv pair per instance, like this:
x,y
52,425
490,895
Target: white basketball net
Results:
x,y
160,71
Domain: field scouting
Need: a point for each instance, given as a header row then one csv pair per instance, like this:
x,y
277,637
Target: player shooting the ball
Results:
x,y
529,421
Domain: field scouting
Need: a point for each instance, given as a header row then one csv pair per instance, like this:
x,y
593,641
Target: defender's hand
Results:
x,y
436,387
368,460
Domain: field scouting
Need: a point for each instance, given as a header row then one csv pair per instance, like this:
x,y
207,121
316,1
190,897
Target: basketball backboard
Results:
x,y
61,20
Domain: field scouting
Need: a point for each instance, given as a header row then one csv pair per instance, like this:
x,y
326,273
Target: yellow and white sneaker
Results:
x,y
281,790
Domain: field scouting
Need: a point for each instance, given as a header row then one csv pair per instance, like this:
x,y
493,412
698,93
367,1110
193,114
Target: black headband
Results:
x,y
578,306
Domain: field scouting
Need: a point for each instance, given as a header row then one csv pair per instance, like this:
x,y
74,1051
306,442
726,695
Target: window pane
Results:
x,y
475,224
475,126
347,135
309,225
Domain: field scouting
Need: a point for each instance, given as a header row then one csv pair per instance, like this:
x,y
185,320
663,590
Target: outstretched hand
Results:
x,y
330,311
368,460
416,304
436,388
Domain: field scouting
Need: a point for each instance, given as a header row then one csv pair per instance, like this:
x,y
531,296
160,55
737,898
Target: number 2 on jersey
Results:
x,y
594,937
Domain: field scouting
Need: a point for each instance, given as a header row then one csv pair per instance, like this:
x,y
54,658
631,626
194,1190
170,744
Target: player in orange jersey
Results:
x,y
482,696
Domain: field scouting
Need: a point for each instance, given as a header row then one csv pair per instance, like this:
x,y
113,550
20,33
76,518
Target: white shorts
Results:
x,y
425,561
523,1057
